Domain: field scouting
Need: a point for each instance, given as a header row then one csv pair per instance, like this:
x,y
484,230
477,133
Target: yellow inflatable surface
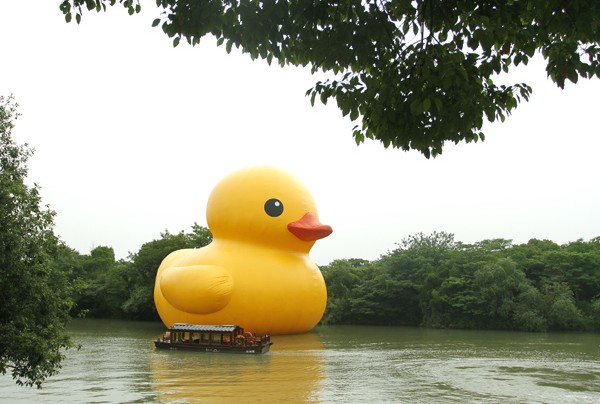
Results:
x,y
256,272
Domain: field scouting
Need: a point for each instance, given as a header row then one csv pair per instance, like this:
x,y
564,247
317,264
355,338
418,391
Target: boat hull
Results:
x,y
255,349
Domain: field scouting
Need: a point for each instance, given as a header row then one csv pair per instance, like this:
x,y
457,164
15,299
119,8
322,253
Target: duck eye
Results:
x,y
273,207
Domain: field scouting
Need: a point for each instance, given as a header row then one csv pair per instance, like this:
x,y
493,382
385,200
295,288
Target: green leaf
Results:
x,y
68,17
425,105
415,107
359,137
472,43
323,97
443,36
156,22
65,6
572,75
176,41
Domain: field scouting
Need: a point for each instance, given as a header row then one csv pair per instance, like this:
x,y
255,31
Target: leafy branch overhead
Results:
x,y
413,74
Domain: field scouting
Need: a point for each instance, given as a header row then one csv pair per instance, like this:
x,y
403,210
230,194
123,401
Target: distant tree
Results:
x,y
104,285
530,311
501,288
35,295
199,237
432,280
70,262
341,278
595,314
418,73
561,309
393,291
390,296
530,257
453,303
575,266
433,246
99,260
494,245
580,264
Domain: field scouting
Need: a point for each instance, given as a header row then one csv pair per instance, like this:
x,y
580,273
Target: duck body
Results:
x,y
256,272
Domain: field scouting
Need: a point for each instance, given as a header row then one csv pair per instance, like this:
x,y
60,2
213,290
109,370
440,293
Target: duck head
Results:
x,y
265,205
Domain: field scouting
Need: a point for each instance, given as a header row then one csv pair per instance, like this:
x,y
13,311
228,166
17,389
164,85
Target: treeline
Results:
x,y
124,289
428,280
434,281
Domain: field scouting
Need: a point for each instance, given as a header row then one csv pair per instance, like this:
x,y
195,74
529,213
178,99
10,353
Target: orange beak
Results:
x,y
308,228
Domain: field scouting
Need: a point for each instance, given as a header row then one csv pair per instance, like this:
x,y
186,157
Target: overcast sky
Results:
x,y
131,135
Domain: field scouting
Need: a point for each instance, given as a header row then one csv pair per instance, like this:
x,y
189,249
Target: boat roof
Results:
x,y
203,327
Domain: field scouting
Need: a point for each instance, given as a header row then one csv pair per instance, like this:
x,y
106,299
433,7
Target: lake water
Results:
x,y
337,364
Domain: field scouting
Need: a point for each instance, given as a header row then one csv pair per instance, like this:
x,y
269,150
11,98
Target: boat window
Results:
x,y
204,338
216,338
227,339
186,336
196,337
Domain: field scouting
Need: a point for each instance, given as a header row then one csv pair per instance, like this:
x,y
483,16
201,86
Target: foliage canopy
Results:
x,y
428,280
416,73
36,295
125,288
436,282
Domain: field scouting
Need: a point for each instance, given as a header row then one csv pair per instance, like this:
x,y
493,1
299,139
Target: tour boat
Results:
x,y
213,338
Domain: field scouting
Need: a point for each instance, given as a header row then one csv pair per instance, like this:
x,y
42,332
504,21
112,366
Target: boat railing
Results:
x,y
217,339
248,339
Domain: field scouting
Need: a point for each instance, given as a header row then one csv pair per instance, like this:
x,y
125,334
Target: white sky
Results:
x,y
131,135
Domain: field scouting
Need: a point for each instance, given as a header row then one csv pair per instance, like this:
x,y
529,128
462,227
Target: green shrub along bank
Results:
x,y
428,280
123,289
435,281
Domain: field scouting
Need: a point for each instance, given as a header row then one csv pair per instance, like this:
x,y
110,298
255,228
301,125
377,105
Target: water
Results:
x,y
338,364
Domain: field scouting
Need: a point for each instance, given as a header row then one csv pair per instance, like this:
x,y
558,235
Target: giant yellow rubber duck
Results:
x,y
256,272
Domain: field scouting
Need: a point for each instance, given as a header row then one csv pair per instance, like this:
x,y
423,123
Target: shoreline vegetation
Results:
x,y
428,280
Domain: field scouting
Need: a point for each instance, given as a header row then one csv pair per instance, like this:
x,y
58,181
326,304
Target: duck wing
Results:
x,y
198,289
